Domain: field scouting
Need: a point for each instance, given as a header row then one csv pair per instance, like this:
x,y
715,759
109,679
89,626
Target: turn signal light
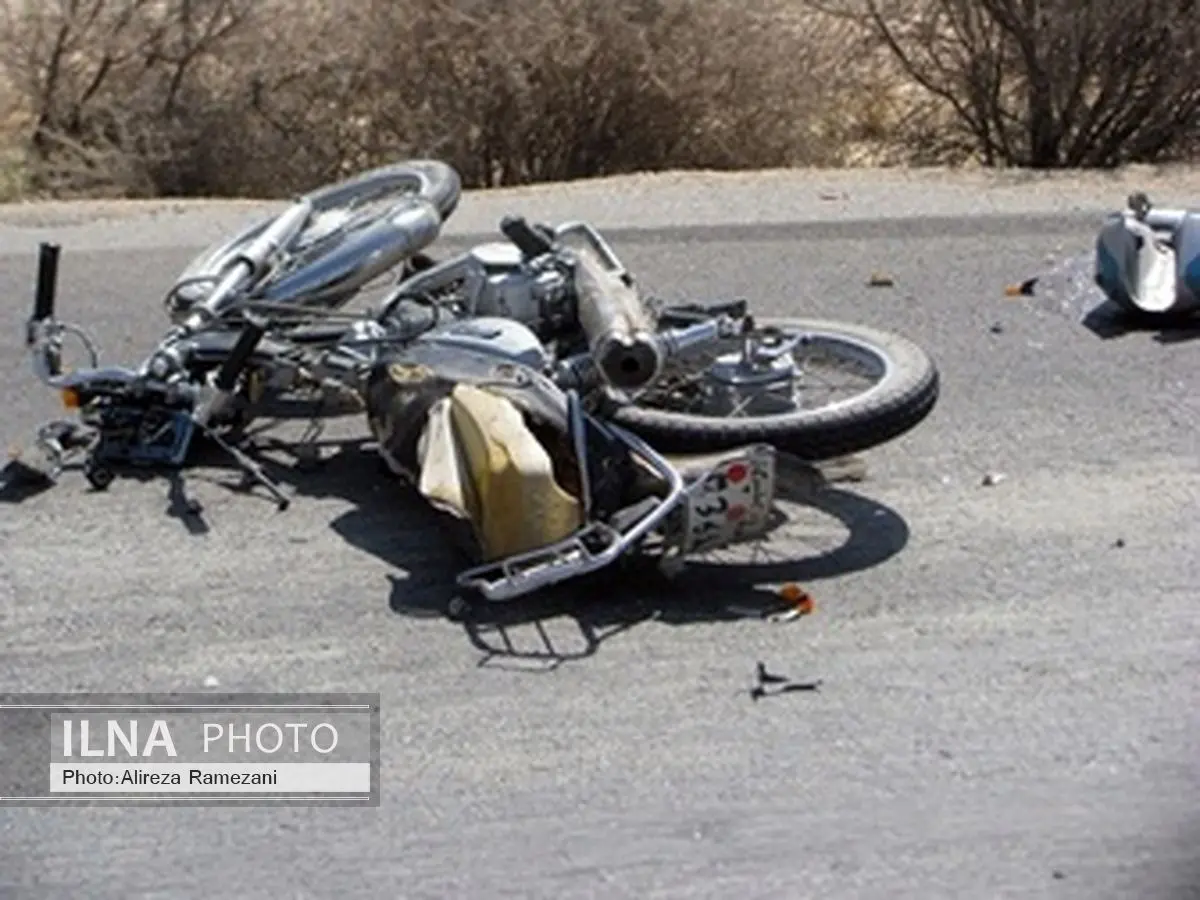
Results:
x,y
70,398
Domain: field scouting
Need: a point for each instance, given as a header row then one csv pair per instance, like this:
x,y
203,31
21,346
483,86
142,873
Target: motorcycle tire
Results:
x,y
897,403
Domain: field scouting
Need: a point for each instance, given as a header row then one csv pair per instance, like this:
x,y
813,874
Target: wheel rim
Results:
x,y
771,373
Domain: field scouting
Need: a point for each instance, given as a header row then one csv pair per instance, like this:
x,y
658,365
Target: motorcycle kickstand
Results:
x,y
251,470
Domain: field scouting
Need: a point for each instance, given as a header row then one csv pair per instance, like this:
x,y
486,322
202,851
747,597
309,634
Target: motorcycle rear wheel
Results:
x,y
904,393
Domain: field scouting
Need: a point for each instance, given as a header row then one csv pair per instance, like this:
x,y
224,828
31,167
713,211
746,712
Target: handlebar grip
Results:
x,y
528,239
47,281
246,344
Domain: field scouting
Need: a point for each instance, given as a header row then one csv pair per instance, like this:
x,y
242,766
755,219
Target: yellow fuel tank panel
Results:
x,y
513,498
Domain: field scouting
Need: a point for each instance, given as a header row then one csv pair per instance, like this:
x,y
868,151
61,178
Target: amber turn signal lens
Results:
x,y
70,398
799,598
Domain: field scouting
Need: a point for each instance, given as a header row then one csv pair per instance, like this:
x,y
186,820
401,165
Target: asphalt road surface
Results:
x,y
1009,672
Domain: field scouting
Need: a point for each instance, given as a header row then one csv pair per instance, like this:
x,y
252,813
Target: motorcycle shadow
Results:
x,y
1109,322
570,621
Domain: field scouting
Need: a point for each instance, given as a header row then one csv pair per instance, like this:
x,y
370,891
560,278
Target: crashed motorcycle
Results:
x,y
527,387
1148,260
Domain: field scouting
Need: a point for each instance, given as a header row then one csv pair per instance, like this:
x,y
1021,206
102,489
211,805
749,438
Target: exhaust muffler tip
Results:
x,y
629,363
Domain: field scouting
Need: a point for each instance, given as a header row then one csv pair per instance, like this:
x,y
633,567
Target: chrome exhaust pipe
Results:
x,y
618,327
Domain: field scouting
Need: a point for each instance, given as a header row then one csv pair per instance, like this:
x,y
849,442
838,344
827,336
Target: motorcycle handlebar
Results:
x,y
155,375
47,281
527,239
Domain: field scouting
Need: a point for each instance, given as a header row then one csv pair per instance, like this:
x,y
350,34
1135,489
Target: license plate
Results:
x,y
732,501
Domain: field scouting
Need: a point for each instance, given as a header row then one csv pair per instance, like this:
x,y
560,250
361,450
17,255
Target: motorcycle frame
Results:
x,y
497,581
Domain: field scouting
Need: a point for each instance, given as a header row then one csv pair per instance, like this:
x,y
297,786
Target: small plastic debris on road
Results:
x,y
991,479
797,596
1024,289
211,681
880,279
800,601
765,677
1066,289
782,684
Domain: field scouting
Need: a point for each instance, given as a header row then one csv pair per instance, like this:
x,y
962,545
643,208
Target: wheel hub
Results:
x,y
754,381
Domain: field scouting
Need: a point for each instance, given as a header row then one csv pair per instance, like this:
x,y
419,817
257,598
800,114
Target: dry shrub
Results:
x,y
554,89
229,97
1051,83
106,85
263,97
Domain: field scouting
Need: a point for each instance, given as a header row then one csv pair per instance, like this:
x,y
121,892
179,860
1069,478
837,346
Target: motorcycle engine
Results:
x,y
513,289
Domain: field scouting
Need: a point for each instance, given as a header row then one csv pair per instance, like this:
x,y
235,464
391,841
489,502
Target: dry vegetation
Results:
x,y
260,97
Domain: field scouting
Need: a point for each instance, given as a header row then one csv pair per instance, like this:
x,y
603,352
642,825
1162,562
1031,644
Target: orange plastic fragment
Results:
x,y
1025,289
